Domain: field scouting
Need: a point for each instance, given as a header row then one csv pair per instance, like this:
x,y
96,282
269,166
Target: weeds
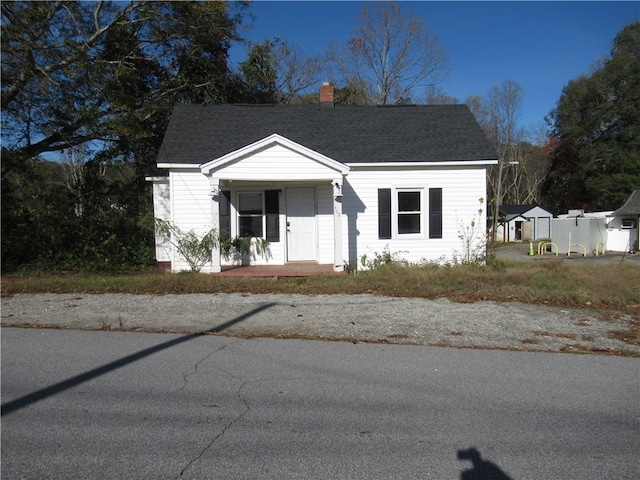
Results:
x,y
195,249
601,286
473,241
380,259
238,247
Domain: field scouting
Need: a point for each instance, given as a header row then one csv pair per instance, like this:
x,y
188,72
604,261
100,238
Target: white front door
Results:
x,y
301,224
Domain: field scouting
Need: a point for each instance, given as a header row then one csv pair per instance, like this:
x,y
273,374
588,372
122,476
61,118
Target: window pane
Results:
x,y
250,226
250,203
409,223
408,201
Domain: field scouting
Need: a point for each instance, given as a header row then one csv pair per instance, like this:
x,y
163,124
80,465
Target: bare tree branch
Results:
x,y
19,83
391,53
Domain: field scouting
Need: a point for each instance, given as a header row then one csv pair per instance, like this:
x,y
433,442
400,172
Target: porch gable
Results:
x,y
275,158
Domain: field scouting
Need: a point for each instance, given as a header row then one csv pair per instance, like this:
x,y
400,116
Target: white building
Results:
x,y
622,227
524,223
323,183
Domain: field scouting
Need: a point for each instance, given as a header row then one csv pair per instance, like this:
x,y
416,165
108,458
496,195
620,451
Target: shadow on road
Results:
x,y
56,388
481,469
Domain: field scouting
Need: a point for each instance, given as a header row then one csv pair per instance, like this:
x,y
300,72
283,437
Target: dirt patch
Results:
x,y
630,336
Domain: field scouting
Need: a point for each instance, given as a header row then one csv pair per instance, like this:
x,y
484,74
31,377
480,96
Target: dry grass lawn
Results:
x,y
555,282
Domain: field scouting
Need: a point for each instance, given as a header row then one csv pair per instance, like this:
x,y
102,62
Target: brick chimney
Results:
x,y
326,94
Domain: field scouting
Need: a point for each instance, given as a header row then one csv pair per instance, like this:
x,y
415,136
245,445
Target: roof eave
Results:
x,y
448,163
182,166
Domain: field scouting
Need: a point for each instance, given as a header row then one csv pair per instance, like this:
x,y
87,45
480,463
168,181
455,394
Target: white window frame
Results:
x,y
628,223
395,213
262,215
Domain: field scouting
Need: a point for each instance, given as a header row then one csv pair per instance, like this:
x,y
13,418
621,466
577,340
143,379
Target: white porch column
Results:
x,y
214,183
338,262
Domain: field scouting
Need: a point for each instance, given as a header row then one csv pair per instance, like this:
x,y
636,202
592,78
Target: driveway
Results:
x,y
520,252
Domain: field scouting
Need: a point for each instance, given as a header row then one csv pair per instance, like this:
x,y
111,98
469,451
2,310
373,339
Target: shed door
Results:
x,y
544,227
301,224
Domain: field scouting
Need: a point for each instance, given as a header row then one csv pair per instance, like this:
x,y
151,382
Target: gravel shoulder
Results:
x,y
354,318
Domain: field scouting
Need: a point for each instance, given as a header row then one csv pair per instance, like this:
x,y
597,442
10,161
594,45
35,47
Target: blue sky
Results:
x,y
541,45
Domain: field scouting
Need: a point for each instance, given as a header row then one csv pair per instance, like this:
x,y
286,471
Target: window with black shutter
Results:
x,y
225,215
272,214
435,213
384,213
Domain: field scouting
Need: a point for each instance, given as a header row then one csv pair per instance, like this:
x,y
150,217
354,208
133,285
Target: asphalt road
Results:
x,y
96,405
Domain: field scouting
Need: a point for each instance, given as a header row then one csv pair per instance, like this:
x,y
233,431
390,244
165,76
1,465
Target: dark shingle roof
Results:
x,y
516,209
631,206
349,134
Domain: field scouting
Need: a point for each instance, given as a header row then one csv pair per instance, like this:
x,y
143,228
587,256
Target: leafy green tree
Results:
x,y
34,224
101,76
596,125
259,72
79,71
58,215
278,72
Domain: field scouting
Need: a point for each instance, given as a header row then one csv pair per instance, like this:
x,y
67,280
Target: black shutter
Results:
x,y
225,215
272,214
384,213
435,213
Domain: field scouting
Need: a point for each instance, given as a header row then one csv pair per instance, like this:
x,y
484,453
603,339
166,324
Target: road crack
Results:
x,y
187,375
224,430
247,408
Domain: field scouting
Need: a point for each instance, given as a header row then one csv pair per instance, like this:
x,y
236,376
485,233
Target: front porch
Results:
x,y
285,193
288,270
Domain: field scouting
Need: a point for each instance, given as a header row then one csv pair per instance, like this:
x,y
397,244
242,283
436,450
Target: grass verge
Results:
x,y
612,285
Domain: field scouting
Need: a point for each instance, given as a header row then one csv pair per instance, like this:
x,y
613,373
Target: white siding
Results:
x,y
162,210
324,193
621,239
591,232
541,220
462,189
276,163
190,207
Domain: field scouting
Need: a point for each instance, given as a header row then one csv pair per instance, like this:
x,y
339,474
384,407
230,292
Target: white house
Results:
x,y
622,227
524,222
323,183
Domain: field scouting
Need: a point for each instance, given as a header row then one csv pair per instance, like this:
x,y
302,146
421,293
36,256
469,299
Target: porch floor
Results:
x,y
288,270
